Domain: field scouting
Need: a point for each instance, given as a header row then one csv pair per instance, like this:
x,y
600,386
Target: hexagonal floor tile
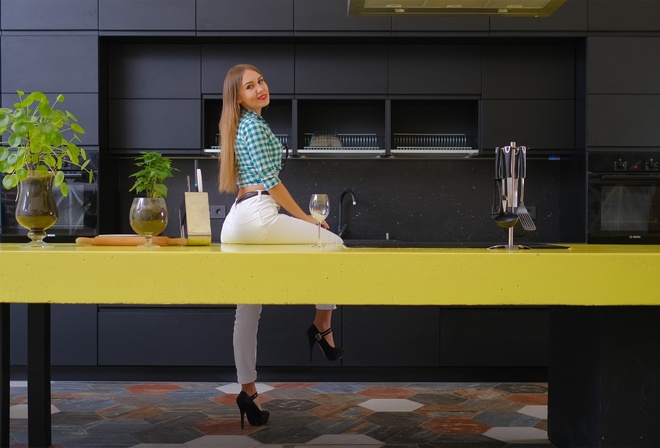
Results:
x,y
235,388
390,405
21,411
518,435
538,411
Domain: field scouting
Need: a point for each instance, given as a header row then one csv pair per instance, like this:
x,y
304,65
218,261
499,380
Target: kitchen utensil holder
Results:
x,y
506,175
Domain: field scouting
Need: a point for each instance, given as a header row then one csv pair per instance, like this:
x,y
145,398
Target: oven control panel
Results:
x,y
604,163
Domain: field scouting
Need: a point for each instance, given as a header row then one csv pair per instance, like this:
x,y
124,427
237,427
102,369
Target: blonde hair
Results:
x,y
228,126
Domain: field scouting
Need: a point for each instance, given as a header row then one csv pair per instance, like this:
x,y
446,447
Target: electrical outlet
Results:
x,y
217,211
531,209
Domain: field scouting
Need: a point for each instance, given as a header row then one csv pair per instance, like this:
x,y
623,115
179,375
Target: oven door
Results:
x,y
77,212
624,208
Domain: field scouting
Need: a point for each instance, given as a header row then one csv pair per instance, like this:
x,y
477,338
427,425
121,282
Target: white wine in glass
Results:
x,y
319,207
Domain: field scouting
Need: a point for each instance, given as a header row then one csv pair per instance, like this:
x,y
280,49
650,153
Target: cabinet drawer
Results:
x,y
494,337
165,336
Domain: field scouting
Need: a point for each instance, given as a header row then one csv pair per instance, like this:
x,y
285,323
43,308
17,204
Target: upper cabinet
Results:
x,y
46,15
529,71
54,63
624,15
275,62
154,71
341,69
245,16
447,70
623,65
150,16
317,16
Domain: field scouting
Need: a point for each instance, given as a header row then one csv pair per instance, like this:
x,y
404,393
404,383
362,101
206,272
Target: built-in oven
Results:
x,y
77,212
623,198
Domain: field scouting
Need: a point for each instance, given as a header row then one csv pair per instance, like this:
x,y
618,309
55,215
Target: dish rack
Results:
x,y
335,143
413,143
215,149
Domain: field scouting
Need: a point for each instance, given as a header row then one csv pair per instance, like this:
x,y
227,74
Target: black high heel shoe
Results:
x,y
255,416
314,335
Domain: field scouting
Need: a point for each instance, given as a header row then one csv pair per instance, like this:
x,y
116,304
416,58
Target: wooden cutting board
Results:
x,y
129,240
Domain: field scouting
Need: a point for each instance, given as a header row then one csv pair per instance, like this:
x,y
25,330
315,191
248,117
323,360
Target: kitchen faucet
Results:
x,y
341,228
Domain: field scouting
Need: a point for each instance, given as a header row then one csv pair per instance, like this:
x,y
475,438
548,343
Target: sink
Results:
x,y
441,244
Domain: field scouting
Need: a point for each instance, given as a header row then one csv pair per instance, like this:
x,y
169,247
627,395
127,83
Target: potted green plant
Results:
x,y
33,155
148,215
37,140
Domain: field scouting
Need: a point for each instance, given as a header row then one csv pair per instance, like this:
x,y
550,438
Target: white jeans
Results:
x,y
257,221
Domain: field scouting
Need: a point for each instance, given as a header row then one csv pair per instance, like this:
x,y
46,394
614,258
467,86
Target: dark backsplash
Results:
x,y
446,200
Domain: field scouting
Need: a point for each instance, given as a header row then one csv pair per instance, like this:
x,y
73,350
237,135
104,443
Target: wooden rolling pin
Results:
x,y
129,240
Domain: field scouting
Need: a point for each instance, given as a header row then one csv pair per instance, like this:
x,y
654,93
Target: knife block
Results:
x,y
197,223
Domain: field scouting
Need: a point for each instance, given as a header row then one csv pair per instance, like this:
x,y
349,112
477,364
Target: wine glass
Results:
x,y
319,207
148,217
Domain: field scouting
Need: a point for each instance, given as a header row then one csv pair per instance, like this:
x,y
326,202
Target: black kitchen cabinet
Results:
x,y
53,64
147,15
571,17
47,15
529,71
73,335
623,121
341,69
547,125
245,16
442,26
165,336
448,70
154,71
624,15
323,16
283,340
623,65
154,124
494,337
275,61
391,336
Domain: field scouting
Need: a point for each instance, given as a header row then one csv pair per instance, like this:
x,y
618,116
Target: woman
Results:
x,y
250,162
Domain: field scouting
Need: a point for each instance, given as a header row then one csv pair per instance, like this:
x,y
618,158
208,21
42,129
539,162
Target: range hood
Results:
x,y
455,8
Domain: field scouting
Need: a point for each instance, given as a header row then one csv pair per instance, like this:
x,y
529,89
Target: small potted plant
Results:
x,y
148,215
33,155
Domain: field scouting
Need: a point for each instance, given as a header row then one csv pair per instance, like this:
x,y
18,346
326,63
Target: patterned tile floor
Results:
x,y
303,415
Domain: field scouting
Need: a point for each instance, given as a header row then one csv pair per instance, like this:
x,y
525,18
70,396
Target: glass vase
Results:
x,y
36,209
148,217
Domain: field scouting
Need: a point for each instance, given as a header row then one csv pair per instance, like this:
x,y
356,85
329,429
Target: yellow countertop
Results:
x,y
230,274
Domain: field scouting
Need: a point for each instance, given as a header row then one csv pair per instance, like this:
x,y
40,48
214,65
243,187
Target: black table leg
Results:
x,y
39,427
4,375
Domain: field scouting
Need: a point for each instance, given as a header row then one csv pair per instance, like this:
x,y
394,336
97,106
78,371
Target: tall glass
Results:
x,y
319,207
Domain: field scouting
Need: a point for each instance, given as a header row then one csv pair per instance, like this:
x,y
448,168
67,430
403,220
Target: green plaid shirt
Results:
x,y
258,152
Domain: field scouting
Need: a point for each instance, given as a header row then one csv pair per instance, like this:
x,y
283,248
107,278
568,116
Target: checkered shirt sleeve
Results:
x,y
258,152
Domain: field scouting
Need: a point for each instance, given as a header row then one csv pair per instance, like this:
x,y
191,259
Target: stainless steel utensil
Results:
x,y
523,214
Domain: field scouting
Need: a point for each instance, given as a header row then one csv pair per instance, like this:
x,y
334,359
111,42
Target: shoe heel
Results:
x,y
242,417
311,345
